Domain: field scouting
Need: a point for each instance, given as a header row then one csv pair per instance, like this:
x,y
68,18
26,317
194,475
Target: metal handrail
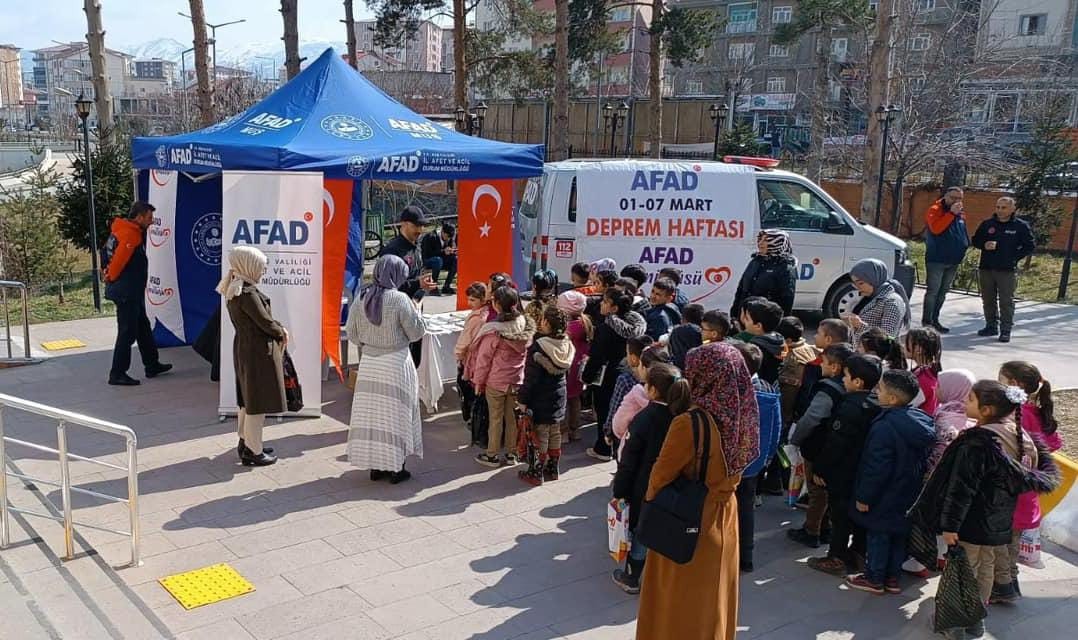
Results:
x,y
64,418
4,286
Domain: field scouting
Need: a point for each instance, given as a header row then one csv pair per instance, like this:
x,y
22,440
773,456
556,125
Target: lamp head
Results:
x,y
460,115
481,110
82,106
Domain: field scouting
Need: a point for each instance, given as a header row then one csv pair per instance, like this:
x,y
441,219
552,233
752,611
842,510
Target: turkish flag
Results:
x,y
484,232
336,211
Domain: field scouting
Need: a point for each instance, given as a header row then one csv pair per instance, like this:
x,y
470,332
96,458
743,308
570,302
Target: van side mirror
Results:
x,y
837,224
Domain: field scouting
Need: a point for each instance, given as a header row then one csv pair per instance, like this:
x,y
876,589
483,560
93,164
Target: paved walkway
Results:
x,y
459,552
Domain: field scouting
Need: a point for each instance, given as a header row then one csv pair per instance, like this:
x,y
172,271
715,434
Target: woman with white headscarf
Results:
x,y
385,427
771,273
884,302
257,352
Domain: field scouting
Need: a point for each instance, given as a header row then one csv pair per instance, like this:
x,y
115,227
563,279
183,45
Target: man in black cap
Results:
x,y
405,247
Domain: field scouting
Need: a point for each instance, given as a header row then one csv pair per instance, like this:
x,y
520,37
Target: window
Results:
x,y
917,84
781,15
776,84
794,207
873,5
920,42
741,18
741,51
1032,25
839,47
694,87
779,51
620,14
925,6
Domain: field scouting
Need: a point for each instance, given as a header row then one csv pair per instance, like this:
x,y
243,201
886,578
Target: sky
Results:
x,y
33,24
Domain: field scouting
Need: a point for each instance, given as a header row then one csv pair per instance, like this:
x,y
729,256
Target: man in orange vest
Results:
x,y
946,242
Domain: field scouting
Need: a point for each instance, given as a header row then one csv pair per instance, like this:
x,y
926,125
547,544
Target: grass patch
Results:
x,y
1039,282
1066,412
45,303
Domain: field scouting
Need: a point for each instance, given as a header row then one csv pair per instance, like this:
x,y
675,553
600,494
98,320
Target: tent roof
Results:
x,y
331,119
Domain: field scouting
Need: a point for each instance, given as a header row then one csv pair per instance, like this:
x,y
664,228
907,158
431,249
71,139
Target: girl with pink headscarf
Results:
x,y
951,393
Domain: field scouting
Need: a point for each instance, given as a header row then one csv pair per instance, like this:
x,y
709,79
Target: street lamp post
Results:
x,y
471,122
1064,278
718,118
213,37
613,117
82,108
183,82
884,115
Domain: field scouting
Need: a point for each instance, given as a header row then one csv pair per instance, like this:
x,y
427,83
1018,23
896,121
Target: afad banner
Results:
x,y
700,218
277,212
163,305
484,232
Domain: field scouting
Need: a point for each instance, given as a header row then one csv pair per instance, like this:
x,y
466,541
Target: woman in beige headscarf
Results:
x,y
257,352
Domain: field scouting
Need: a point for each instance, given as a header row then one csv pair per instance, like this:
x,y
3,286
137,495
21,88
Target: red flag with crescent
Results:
x,y
484,232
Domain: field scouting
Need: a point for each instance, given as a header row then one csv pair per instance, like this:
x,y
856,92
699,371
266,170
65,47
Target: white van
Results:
x,y
827,240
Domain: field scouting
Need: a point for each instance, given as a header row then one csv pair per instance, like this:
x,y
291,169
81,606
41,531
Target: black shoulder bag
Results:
x,y
670,524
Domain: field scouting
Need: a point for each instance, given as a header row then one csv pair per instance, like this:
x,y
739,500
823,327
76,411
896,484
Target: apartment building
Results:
x,y
10,76
423,51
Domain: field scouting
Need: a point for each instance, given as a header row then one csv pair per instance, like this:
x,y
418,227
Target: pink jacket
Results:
x,y
633,403
950,420
574,386
475,321
1027,515
499,354
928,380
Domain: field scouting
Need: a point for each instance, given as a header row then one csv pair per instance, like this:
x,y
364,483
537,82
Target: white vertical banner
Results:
x,y
279,213
162,287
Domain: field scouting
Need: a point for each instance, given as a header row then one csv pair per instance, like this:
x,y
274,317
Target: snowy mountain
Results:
x,y
242,56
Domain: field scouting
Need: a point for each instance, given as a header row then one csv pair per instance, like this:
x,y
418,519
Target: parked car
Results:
x,y
1065,178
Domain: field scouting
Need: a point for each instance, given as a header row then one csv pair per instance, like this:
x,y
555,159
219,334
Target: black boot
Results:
x,y
629,578
533,475
988,331
551,471
398,477
242,446
251,459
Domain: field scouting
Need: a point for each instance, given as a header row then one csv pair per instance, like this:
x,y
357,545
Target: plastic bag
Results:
x,y
617,529
958,599
1029,548
797,473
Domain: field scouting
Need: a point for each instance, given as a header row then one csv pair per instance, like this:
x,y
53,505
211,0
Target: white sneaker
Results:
x,y
591,453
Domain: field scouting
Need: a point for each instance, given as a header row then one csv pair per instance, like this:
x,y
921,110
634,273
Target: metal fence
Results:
x,y
65,419
5,285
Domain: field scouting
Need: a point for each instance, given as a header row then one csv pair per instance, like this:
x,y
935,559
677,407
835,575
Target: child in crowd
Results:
x,y
809,432
972,495
715,326
1038,420
477,300
497,280
627,377
889,479
799,354
878,343
669,396
636,399
580,277
760,318
544,291
835,468
688,335
924,347
767,400
601,281
663,315
581,332
680,299
619,324
501,349
635,272
543,393
952,392
641,304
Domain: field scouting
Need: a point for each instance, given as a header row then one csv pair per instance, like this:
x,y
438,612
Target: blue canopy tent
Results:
x,y
328,119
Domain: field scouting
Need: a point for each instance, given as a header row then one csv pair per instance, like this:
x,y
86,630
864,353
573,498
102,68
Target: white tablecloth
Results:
x,y
438,364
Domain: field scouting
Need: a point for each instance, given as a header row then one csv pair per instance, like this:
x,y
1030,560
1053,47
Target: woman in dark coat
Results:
x,y
771,274
257,352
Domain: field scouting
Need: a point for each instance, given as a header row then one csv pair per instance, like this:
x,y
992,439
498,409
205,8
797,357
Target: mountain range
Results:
x,y
254,55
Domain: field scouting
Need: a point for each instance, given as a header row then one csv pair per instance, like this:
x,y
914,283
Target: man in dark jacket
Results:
x,y
439,252
946,241
1004,241
412,221
889,478
126,272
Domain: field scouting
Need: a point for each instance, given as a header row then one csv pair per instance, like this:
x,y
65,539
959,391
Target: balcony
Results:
x,y
741,26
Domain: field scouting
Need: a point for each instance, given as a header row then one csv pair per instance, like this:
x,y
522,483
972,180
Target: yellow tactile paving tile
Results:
x,y
206,585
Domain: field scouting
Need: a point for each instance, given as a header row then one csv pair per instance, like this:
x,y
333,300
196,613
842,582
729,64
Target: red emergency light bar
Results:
x,y
763,163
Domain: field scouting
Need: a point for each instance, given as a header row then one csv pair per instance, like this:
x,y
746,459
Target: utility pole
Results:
x,y
878,97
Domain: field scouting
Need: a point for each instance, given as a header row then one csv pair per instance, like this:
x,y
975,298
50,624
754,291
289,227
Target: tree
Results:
x,y
879,93
206,89
820,17
350,27
678,35
95,40
739,141
113,193
1048,151
290,14
33,250
560,147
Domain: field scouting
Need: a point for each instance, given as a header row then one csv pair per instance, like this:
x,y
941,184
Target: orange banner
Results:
x,y
336,212
484,232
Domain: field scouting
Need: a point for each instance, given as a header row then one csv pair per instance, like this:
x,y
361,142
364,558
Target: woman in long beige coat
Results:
x,y
698,600
257,352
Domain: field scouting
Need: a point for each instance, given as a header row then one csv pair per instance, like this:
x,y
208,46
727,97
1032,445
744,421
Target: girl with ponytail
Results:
x,y
876,342
1038,412
971,496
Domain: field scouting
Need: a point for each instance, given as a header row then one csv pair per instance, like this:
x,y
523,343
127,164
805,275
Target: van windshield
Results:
x,y
529,205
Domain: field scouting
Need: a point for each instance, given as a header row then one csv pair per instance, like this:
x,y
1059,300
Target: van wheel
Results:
x,y
841,299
